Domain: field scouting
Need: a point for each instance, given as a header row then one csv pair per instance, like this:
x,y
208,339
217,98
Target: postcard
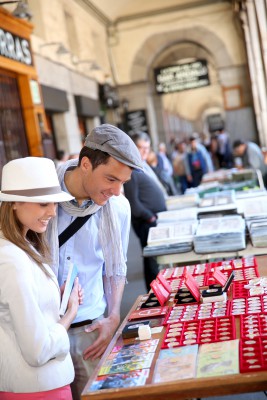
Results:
x,y
177,363
217,359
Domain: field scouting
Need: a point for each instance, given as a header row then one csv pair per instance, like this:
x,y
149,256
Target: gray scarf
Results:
x,y
109,233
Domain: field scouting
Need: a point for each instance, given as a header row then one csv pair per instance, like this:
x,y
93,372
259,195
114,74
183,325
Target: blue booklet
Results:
x,y
72,273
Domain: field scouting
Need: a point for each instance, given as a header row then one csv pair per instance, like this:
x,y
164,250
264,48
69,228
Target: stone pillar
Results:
x,y
259,70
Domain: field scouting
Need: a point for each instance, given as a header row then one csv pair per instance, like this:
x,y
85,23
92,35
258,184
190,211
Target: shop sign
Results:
x,y
136,121
215,122
15,47
176,78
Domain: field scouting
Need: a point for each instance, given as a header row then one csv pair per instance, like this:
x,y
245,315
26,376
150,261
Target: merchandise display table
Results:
x,y
178,389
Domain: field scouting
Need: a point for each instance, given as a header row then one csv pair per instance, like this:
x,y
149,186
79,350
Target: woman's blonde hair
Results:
x,y
12,231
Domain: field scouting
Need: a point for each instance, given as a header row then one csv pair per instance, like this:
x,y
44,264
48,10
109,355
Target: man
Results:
x,y
99,247
147,197
195,163
224,149
166,169
251,156
203,150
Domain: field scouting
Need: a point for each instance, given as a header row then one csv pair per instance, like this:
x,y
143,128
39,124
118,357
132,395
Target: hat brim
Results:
x,y
51,198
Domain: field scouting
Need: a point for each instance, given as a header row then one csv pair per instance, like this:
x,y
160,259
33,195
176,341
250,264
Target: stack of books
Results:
x,y
183,201
170,239
255,214
220,234
177,216
218,204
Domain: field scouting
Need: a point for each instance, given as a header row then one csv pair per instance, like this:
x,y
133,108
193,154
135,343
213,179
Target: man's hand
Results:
x,y
106,328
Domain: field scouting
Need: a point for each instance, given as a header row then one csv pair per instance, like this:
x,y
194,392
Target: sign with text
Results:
x,y
15,47
176,78
136,121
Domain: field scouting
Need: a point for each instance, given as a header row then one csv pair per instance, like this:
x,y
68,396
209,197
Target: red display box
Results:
x,y
194,312
160,291
253,354
238,290
199,332
249,305
252,326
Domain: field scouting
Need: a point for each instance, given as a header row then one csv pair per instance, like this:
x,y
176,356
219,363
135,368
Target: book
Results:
x,y
175,364
128,379
72,273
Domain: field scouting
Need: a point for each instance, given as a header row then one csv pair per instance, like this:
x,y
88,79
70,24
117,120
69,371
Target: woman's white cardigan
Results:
x,y
34,347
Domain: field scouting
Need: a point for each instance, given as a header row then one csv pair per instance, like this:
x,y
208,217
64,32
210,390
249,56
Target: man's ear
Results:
x,y
86,164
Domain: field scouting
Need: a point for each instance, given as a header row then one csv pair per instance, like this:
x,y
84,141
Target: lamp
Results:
x,y
125,104
92,63
22,10
61,49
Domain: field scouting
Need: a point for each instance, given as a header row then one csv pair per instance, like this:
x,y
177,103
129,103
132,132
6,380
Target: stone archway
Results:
x,y
158,43
161,50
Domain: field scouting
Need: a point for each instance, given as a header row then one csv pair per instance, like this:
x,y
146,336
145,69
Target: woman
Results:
x,y
34,347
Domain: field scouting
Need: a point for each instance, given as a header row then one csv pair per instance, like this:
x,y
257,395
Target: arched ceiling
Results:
x,y
118,10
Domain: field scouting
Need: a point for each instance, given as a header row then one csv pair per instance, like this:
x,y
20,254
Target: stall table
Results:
x,y
180,389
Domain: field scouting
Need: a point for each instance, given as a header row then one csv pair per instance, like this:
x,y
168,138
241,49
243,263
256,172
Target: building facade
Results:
x,y
167,67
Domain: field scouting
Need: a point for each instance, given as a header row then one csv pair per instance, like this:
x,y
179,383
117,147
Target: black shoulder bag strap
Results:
x,y
72,228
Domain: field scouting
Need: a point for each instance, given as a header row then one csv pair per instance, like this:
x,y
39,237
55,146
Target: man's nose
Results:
x,y
116,191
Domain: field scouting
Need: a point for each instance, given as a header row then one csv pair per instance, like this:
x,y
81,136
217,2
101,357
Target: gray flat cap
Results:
x,y
116,143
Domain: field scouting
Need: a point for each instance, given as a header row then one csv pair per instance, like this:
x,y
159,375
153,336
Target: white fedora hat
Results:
x,y
32,180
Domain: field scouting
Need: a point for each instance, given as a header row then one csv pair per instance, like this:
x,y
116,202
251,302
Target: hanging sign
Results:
x,y
176,78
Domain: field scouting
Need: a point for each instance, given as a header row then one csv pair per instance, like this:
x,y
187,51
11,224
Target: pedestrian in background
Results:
x,y
179,165
146,198
251,156
197,166
166,169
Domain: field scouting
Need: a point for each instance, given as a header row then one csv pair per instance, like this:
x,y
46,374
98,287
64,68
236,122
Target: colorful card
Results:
x,y
132,378
110,368
217,359
177,363
122,357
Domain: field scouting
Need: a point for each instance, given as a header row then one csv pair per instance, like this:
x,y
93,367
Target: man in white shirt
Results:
x,y
99,247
